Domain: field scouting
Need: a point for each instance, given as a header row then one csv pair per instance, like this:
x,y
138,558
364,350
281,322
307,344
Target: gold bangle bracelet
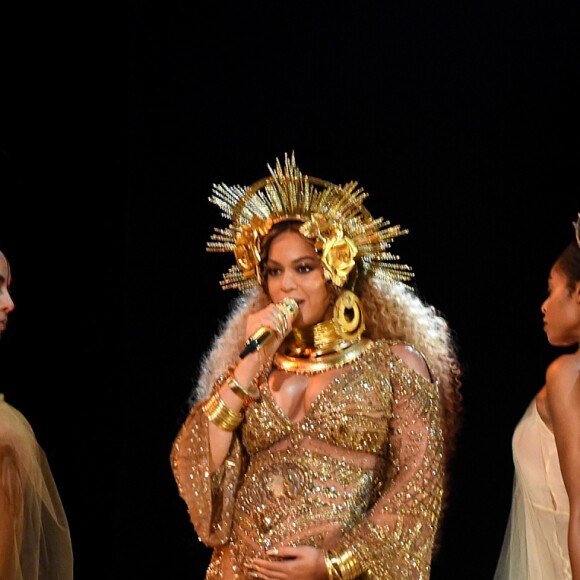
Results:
x,y
333,573
243,393
220,414
342,566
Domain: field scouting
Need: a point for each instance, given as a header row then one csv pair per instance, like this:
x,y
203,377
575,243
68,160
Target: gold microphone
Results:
x,y
289,308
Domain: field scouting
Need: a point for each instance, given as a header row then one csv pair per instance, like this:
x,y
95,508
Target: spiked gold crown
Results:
x,y
343,230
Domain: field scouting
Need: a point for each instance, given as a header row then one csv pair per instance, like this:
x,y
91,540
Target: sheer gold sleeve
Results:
x,y
395,539
203,492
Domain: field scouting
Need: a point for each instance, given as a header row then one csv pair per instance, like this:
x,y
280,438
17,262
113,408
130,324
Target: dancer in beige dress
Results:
x,y
35,543
542,540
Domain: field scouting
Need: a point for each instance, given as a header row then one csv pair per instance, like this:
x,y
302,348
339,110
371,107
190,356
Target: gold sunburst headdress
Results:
x,y
343,230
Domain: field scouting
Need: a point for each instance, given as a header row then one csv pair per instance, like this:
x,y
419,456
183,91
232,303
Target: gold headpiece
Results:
x,y
576,225
343,230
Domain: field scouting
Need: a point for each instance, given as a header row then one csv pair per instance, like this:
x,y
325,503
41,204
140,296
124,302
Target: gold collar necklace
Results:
x,y
317,349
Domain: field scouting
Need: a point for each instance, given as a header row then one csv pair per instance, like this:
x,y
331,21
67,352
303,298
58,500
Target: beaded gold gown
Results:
x,y
363,470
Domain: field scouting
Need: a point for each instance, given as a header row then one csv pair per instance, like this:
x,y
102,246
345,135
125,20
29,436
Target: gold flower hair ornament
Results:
x,y
343,230
337,250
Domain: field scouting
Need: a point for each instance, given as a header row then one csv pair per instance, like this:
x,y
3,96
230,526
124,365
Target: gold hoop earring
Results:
x,y
348,316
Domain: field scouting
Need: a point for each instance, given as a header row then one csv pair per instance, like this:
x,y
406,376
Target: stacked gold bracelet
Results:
x,y
220,414
342,566
242,392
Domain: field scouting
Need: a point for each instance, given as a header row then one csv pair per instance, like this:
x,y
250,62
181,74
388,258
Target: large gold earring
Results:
x,y
348,316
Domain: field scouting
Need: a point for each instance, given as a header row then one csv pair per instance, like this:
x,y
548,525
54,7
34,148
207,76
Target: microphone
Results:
x,y
288,308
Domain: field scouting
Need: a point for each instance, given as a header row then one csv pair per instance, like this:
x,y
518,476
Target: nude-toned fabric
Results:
x,y
363,470
34,535
535,545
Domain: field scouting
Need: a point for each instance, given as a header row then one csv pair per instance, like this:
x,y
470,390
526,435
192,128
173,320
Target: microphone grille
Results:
x,y
289,306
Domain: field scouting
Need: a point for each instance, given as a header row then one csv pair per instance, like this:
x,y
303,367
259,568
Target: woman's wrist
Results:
x,y
250,393
243,379
220,414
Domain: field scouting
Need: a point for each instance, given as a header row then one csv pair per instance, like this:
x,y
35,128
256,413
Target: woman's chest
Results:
x,y
295,393
346,408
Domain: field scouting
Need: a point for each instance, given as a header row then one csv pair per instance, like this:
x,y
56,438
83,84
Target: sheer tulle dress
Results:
x,y
35,541
535,545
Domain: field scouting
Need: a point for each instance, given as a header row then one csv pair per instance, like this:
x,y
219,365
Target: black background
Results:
x,y
459,119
